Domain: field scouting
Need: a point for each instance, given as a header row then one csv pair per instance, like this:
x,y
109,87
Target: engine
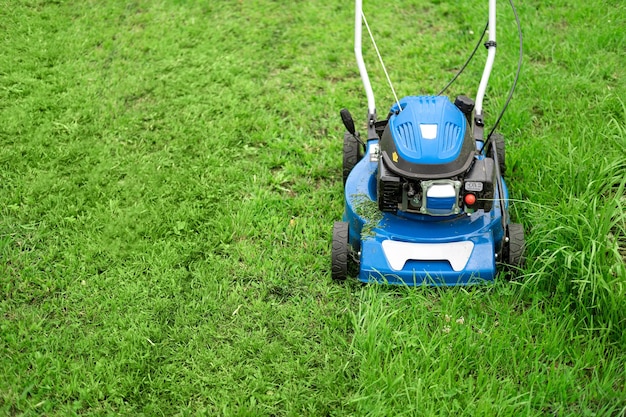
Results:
x,y
429,163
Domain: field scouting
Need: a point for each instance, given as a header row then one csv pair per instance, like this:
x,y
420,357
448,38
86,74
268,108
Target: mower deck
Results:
x,y
415,249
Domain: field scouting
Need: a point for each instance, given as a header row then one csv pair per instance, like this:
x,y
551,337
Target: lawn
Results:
x,y
170,172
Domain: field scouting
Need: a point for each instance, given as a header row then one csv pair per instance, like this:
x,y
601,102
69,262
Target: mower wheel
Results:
x,y
498,144
516,246
352,154
339,252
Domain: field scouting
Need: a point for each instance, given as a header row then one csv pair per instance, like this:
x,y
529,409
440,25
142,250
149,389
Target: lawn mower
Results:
x,y
425,198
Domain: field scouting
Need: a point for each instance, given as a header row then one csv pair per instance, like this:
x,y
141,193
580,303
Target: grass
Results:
x,y
169,176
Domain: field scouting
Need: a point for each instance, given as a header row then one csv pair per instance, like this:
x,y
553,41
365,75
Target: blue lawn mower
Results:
x,y
425,198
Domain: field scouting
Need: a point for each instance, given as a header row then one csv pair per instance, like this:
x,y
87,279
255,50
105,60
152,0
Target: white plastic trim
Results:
x,y
428,131
441,191
398,253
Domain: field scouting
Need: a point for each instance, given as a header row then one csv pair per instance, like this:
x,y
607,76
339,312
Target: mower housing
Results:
x,y
407,217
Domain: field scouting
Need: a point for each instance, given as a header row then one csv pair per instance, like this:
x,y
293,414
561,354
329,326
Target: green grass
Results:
x,y
169,176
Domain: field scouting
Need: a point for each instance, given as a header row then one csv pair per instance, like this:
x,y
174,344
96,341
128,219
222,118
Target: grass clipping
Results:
x,y
369,211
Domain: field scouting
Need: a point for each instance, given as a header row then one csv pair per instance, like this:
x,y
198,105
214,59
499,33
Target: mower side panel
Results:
x,y
360,196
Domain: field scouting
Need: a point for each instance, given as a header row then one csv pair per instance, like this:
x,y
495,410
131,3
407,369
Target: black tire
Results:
x,y
498,145
516,246
352,154
339,251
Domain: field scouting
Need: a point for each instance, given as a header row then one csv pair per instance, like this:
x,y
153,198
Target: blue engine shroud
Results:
x,y
429,130
411,248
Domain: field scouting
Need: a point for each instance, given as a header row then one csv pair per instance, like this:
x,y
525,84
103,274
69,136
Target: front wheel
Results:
x,y
339,251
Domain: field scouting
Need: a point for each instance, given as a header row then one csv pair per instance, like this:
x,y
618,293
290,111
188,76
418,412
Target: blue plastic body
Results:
x,y
369,228
409,126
